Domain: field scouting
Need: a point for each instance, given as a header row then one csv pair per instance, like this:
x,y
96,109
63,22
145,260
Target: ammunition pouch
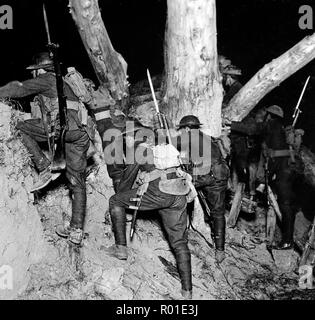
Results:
x,y
172,181
82,112
177,186
85,120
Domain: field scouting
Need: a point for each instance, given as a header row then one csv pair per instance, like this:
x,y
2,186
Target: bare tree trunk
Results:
x,y
269,77
193,83
109,65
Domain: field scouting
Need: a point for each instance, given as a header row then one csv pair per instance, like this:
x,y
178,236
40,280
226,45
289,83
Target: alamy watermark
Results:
x,y
6,17
131,147
306,18
6,277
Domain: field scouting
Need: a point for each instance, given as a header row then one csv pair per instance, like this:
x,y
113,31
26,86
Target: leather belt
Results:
x,y
146,177
279,153
106,114
102,115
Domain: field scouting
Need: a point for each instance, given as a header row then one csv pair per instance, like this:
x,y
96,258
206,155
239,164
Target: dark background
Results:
x,y
250,32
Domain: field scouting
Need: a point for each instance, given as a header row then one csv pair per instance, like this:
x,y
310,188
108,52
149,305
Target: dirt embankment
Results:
x,y
47,267
22,240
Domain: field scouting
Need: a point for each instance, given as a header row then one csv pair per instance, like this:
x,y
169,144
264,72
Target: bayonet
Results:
x,y
46,25
297,110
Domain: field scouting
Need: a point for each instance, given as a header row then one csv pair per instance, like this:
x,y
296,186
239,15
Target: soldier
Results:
x,y
230,75
106,119
34,130
210,173
164,190
245,155
279,161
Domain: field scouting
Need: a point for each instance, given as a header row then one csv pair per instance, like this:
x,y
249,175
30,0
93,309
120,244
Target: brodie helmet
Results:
x,y
226,67
41,60
189,121
276,110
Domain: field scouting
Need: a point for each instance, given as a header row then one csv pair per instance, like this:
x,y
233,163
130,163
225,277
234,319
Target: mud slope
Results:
x,y
47,267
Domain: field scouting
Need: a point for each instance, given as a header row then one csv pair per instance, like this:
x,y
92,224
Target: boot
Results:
x,y
183,260
74,235
119,249
44,178
219,232
116,251
187,294
63,231
118,217
219,256
283,245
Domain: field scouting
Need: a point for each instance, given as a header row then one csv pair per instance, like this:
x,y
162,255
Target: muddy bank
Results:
x,y
47,267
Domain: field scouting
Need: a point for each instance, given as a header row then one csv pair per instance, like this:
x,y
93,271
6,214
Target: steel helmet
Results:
x,y
276,110
189,121
41,60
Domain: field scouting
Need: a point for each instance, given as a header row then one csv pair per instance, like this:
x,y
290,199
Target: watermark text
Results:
x,y
306,17
6,17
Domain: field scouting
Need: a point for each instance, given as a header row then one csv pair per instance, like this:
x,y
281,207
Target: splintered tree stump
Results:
x,y
236,205
109,65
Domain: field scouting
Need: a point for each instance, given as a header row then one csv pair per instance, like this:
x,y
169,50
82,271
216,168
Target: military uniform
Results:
x,y
210,174
281,176
245,152
158,184
104,121
76,138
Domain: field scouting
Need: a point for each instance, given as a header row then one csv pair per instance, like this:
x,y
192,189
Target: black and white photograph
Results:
x,y
157,155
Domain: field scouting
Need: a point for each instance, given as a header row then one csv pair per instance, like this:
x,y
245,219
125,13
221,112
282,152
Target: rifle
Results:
x,y
58,155
297,110
161,117
140,193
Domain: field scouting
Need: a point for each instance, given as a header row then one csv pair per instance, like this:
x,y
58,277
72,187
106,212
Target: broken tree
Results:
x,y
269,77
109,65
193,83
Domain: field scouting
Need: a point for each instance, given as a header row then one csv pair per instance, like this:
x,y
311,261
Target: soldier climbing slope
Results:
x,y
162,187
282,166
111,118
35,130
210,174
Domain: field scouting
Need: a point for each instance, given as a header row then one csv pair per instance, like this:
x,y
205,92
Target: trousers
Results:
x,y
76,146
173,213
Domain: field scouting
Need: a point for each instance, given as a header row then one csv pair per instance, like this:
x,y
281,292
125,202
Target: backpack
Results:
x,y
81,87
